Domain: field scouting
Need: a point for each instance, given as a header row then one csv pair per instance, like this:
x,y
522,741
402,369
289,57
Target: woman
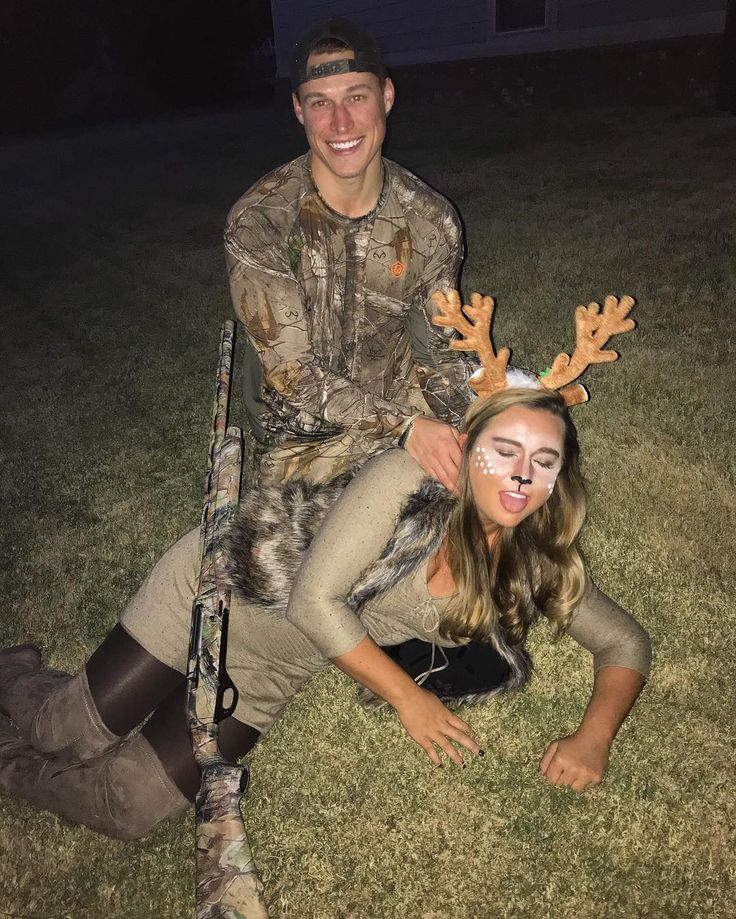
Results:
x,y
397,558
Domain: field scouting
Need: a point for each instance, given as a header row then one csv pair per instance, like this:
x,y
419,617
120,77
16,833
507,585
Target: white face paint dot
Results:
x,y
483,461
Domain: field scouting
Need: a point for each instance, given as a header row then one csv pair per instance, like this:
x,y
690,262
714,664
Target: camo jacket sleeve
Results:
x,y
268,300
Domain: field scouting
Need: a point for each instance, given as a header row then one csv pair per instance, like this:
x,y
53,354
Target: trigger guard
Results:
x,y
225,684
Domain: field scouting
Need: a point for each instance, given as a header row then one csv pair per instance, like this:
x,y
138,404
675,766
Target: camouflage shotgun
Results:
x,y
227,884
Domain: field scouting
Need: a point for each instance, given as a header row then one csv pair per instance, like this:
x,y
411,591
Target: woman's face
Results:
x,y
514,465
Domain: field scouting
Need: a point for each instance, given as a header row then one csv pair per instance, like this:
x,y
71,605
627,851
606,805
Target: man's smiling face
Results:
x,y
344,117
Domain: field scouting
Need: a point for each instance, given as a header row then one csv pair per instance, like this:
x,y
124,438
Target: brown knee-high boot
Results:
x,y
51,709
123,793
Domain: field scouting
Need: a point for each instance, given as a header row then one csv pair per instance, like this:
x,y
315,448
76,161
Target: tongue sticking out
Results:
x,y
512,502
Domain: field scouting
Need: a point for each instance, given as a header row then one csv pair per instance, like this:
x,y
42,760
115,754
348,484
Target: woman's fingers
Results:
x,y
559,773
463,738
445,740
436,729
442,744
578,781
580,784
430,750
554,773
548,757
462,734
575,762
450,752
458,723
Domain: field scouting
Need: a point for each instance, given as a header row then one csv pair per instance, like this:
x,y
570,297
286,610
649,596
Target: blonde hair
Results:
x,y
535,567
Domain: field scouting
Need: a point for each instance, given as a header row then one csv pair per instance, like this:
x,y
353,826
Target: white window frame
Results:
x,y
550,20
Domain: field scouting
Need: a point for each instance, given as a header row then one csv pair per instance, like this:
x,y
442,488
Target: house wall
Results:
x,y
422,31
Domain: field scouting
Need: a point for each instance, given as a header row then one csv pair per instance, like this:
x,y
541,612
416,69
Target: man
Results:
x,y
333,259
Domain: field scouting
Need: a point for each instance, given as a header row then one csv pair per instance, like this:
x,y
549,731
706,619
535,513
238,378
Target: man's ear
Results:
x,y
462,440
389,94
297,108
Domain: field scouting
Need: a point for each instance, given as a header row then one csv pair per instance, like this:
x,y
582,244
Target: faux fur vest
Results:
x,y
275,525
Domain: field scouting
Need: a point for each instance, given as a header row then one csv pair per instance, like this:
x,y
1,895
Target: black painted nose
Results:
x,y
521,480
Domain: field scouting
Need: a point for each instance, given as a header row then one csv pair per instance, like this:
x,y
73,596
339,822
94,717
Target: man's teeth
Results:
x,y
345,144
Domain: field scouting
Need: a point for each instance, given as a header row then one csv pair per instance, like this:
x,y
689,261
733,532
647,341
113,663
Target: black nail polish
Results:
x,y
481,752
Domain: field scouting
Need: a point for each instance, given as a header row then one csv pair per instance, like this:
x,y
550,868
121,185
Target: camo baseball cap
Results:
x,y
358,40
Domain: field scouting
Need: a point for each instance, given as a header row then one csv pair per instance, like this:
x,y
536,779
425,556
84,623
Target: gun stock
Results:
x,y
227,883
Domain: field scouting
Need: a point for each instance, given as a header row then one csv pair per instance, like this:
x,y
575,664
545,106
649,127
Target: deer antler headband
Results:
x,y
593,328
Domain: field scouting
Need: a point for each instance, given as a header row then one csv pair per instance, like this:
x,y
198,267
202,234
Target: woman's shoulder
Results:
x,y
393,470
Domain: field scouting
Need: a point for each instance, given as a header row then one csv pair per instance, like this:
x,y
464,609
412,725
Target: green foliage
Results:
x,y
110,318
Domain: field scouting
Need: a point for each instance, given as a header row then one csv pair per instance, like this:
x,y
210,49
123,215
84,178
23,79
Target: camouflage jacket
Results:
x,y
341,352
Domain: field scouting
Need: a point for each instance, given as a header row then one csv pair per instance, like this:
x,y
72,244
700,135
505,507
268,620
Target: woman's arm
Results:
x,y
352,536
580,760
621,652
426,720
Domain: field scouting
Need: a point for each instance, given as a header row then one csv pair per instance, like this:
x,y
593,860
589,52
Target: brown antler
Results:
x,y
593,328
475,327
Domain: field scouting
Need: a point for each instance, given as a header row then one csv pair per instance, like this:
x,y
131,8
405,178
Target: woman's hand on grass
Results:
x,y
431,724
580,760
576,761
425,719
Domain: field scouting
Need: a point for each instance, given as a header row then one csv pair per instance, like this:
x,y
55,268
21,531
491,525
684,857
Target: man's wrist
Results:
x,y
406,433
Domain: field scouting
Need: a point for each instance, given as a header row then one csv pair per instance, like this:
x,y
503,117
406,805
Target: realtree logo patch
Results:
x,y
397,269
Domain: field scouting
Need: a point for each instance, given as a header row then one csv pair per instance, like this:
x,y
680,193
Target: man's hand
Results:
x,y
576,761
435,446
431,724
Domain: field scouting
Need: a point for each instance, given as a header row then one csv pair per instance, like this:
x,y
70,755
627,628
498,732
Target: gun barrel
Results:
x,y
227,883
222,391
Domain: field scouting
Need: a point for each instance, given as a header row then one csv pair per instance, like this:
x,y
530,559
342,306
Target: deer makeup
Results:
x,y
500,458
517,458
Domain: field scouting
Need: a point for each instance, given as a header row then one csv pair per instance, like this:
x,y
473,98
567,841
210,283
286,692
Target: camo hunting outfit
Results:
x,y
342,354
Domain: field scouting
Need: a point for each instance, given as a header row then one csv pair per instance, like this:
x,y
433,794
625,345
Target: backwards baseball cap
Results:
x,y
358,40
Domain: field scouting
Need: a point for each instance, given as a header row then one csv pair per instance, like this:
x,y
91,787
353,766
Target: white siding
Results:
x,y
422,31
399,25
579,14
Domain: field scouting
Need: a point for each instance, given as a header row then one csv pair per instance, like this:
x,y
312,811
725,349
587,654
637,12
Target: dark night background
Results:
x,y
69,63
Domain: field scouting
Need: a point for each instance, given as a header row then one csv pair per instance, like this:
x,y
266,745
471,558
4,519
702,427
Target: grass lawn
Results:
x,y
111,298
